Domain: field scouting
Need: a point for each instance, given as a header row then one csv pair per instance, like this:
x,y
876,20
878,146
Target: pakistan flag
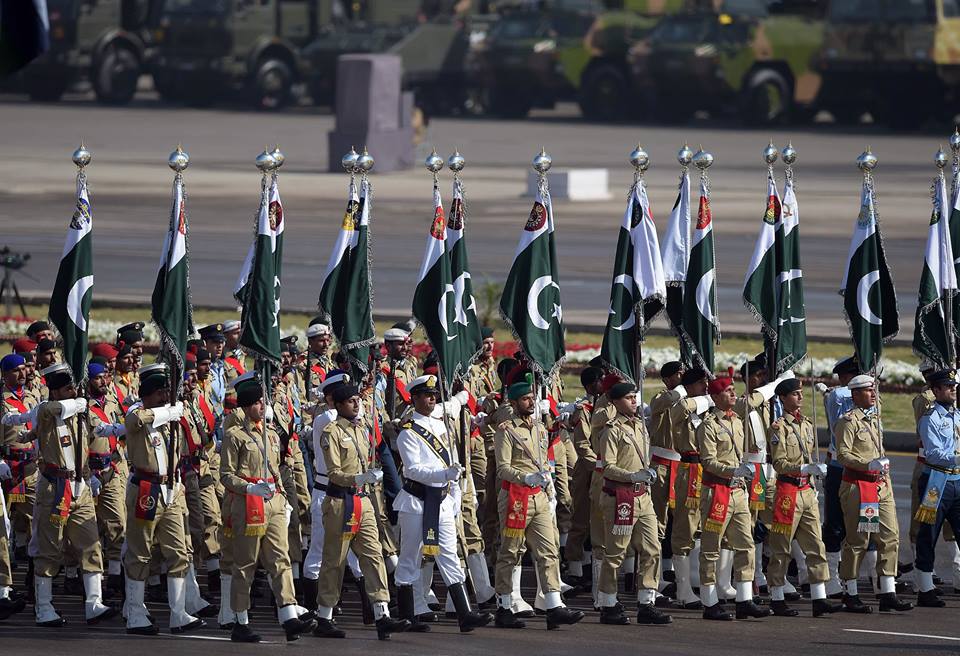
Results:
x,y
530,304
470,341
170,307
869,299
701,325
73,291
938,285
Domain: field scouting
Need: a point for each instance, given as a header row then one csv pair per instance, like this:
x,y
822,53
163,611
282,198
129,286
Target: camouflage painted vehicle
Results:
x,y
753,58
104,41
897,59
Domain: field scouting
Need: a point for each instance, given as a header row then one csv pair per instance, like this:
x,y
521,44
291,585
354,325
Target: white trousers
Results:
x,y
411,543
314,557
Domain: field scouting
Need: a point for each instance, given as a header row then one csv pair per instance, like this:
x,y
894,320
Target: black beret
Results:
x,y
45,345
36,327
249,392
788,386
694,375
620,390
671,368
344,392
153,382
590,375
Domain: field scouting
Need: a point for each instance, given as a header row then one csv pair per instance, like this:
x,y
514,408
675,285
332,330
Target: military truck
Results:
x,y
751,58
105,41
897,59
268,48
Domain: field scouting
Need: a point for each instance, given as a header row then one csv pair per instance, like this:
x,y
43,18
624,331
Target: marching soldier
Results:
x,y
483,382
349,518
429,504
39,330
155,503
319,338
664,458
108,465
125,388
866,497
64,506
628,513
724,503
234,360
685,416
526,504
939,429
214,341
795,511
250,470
46,354
496,410
131,335
10,602
32,383
19,452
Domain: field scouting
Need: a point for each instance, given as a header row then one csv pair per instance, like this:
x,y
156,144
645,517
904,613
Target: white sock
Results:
x,y
776,593
887,585
851,587
380,609
575,568
744,591
925,581
818,591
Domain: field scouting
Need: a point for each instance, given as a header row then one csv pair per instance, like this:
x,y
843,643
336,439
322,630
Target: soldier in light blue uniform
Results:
x,y
940,480
214,341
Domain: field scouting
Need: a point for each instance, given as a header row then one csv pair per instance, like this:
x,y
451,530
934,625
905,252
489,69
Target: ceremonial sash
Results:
x,y
432,496
758,488
552,455
120,398
518,499
148,494
624,494
719,505
62,498
671,466
472,403
927,512
255,514
784,507
207,414
102,414
694,470
352,511
235,363
402,390
16,487
317,369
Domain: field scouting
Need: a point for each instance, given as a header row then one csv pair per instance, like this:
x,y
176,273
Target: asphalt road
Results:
x,y
129,186
921,631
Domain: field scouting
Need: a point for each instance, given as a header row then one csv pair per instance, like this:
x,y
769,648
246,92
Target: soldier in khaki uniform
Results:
x,y
497,410
319,338
724,507
685,416
866,496
665,460
526,504
10,603
125,388
349,518
794,509
64,507
629,519
250,470
155,503
16,440
108,464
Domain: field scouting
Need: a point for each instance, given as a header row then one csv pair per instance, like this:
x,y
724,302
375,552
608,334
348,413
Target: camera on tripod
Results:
x,y
11,260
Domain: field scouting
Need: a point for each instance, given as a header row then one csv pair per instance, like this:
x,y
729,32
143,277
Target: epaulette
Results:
x,y
407,425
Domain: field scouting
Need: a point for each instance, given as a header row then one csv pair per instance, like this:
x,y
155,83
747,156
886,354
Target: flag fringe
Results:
x,y
365,185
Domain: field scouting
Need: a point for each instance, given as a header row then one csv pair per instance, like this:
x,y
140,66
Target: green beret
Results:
x,y
788,386
517,390
620,390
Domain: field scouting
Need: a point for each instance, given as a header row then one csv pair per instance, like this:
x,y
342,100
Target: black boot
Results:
x,y
10,607
852,604
387,625
650,614
310,593
792,596
505,619
405,609
297,626
562,615
467,619
890,601
929,599
780,609
243,633
213,583
716,612
114,588
630,583
614,615
328,629
823,607
28,581
748,609
366,607
72,586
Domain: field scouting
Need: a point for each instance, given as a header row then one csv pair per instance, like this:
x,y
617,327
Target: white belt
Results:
x,y
321,479
755,457
922,453
666,454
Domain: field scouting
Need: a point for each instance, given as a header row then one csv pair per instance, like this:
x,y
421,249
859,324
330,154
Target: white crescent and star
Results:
x,y
702,295
442,310
75,301
533,298
627,282
459,286
863,297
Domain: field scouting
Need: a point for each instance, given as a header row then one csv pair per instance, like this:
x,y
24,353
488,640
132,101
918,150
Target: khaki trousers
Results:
x,y
489,515
597,537
643,539
79,531
660,496
269,550
472,536
294,545
736,534
111,509
806,531
580,519
21,512
855,544
167,532
542,537
365,543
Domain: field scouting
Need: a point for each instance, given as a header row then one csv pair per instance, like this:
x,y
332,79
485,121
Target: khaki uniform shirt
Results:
x,y
684,422
521,448
15,435
792,444
858,439
63,443
720,442
581,433
242,456
623,444
347,451
660,433
144,442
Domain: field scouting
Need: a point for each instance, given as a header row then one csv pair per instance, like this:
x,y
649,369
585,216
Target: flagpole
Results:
x,y
955,168
81,157
946,300
641,162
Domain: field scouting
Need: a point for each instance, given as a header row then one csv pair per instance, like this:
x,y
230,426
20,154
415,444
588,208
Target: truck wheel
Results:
x,y
115,75
273,84
604,95
46,89
766,98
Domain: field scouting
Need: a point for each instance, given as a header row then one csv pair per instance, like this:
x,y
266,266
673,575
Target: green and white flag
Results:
x,y
171,310
358,331
334,288
470,341
701,324
638,290
73,290
434,297
259,290
869,298
955,239
791,314
938,285
760,283
530,303
676,258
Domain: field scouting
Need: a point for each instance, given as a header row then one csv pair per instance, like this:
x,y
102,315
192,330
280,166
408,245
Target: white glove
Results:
x,y
19,418
533,480
261,489
376,475
569,408
786,375
5,473
478,420
95,486
71,407
642,476
106,430
545,479
452,473
821,388
544,406
745,470
268,413
681,391
462,397
814,469
288,511
564,417
176,411
879,464
166,414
